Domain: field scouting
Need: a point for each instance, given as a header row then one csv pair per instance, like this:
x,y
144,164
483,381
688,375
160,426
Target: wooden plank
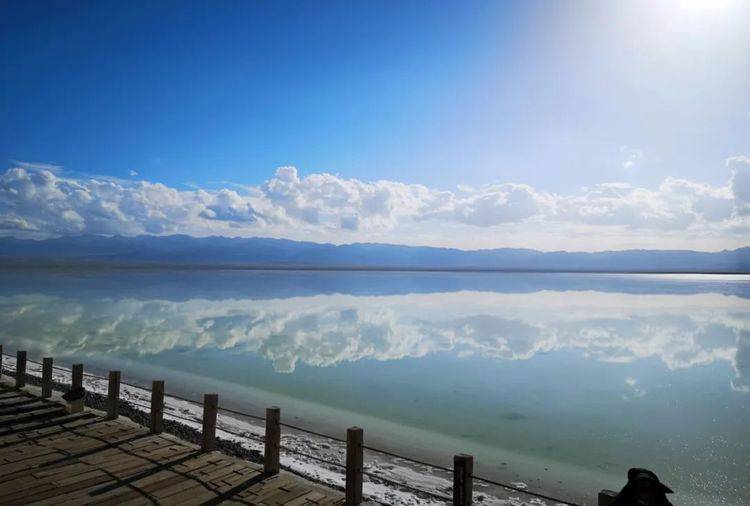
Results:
x,y
281,489
136,489
6,393
88,436
263,487
59,459
196,494
22,483
229,475
9,391
14,396
202,490
19,453
49,430
57,494
41,424
199,462
284,494
45,413
52,471
310,497
207,484
80,445
37,409
6,470
113,455
19,402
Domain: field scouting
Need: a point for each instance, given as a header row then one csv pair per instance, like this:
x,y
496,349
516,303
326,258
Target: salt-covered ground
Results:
x,y
317,458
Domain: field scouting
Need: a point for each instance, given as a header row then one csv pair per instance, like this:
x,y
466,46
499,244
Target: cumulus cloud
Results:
x,y
36,202
493,205
740,167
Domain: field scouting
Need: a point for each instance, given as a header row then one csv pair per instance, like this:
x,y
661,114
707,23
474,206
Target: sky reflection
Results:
x,y
681,331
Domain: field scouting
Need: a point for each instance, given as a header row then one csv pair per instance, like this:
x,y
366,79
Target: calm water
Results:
x,y
561,381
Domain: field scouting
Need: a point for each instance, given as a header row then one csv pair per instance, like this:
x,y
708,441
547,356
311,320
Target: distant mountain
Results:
x,y
280,253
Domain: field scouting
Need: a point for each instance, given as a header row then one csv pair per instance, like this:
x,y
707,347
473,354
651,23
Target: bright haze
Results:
x,y
550,125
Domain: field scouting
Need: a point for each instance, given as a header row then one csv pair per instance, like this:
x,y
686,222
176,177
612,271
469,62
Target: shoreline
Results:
x,y
303,453
10,264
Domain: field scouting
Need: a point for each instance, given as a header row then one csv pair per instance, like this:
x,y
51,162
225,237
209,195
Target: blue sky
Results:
x,y
560,96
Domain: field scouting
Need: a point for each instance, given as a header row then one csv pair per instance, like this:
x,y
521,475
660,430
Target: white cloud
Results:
x,y
493,205
741,362
632,157
325,207
133,173
740,167
636,391
31,166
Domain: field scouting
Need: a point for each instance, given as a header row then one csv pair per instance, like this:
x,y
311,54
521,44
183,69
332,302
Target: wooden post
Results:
x,y
210,410
157,407
77,382
46,377
606,497
77,376
271,464
354,465
463,468
113,395
20,369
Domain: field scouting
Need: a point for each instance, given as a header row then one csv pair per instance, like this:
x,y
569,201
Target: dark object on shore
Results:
x,y
74,394
643,489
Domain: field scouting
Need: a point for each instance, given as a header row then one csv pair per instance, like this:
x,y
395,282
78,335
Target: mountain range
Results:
x,y
256,252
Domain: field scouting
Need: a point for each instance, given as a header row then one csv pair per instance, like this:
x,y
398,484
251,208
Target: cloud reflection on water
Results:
x,y
323,330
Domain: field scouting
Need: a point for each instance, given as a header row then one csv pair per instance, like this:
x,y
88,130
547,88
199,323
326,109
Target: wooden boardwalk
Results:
x,y
48,456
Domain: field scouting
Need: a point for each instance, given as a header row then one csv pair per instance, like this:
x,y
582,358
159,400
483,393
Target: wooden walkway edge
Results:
x,y
49,456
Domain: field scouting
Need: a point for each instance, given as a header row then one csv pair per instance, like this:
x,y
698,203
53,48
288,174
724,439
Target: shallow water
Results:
x,y
559,381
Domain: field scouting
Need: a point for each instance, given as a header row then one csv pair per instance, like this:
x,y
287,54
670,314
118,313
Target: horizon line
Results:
x,y
112,236
105,265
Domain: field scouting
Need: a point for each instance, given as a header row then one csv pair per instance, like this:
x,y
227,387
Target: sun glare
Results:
x,y
705,5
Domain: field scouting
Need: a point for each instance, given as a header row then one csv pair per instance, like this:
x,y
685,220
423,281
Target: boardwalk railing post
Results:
x,y
20,369
46,377
76,406
77,376
157,407
354,465
210,410
271,464
463,468
113,395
